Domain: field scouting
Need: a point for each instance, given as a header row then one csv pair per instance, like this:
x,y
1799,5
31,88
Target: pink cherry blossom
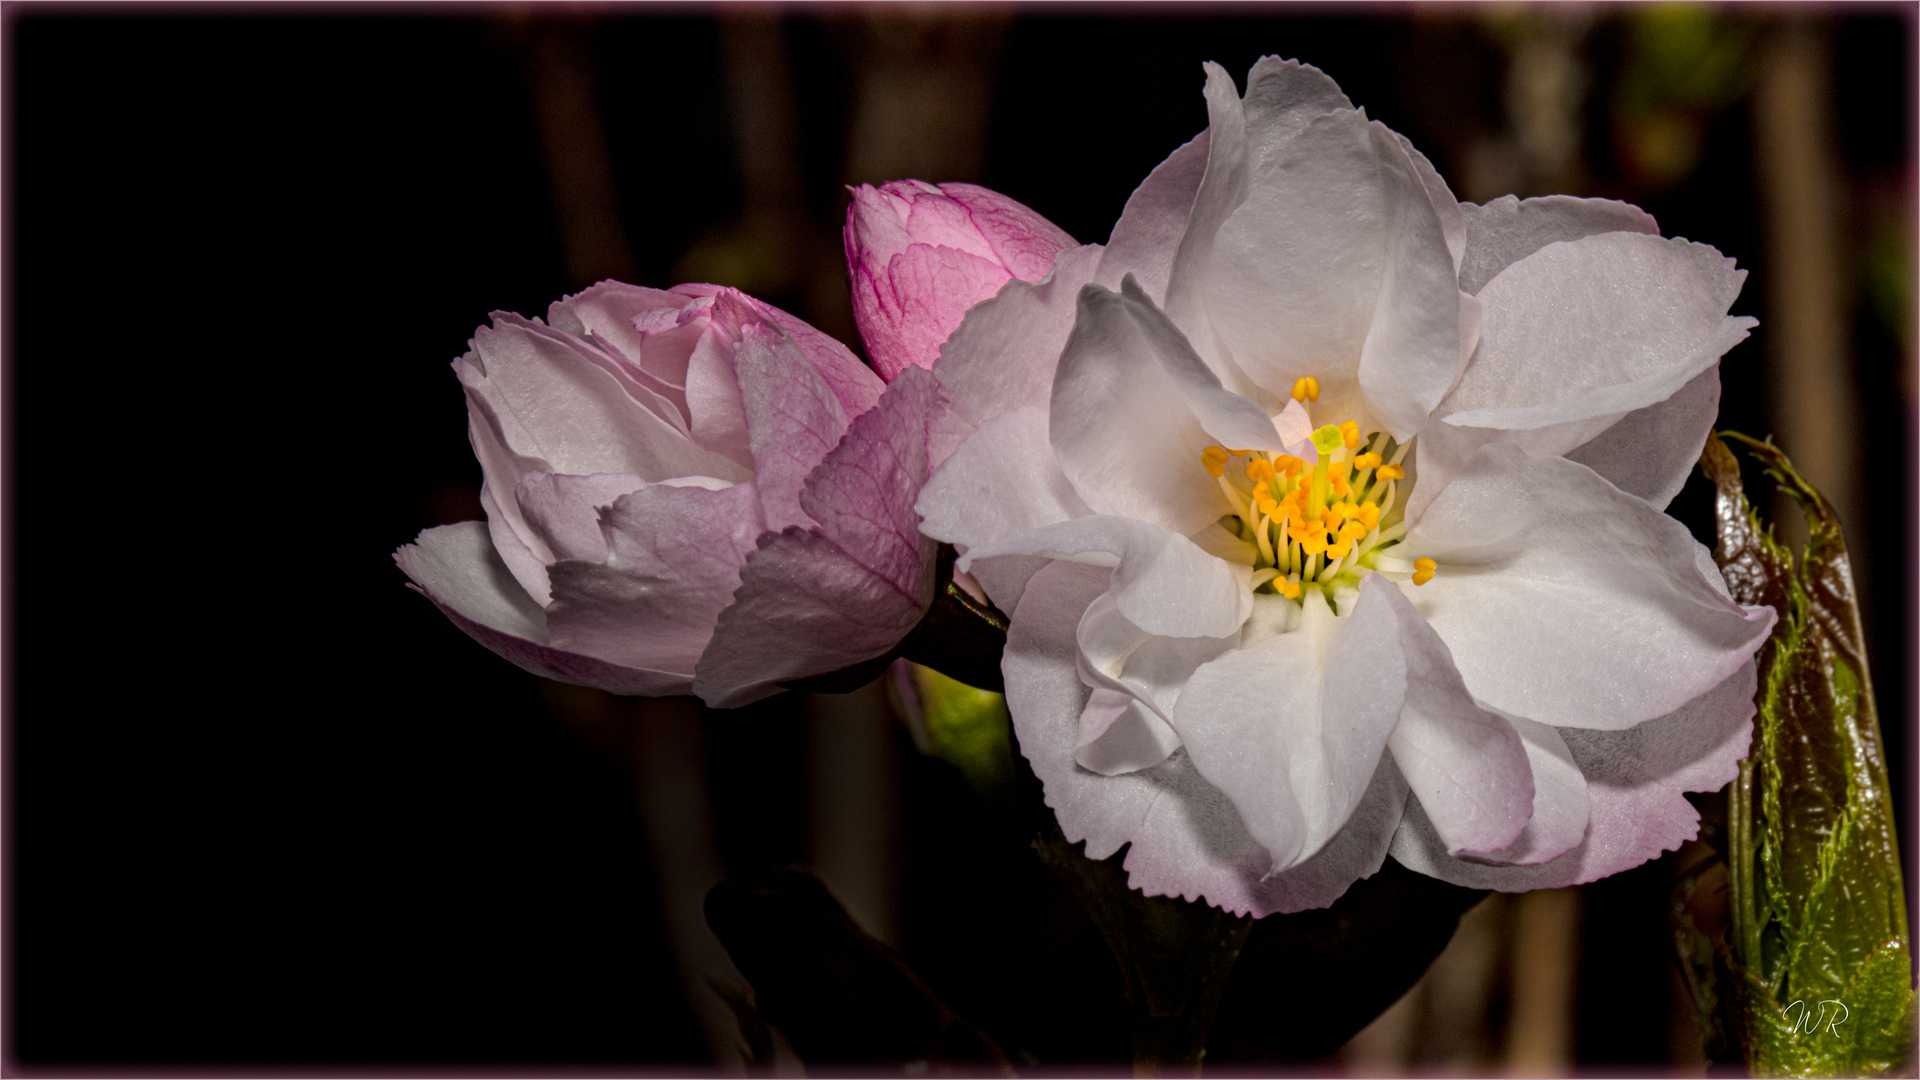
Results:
x,y
657,465
919,255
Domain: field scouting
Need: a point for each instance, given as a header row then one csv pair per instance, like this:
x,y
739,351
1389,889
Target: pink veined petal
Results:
x,y
793,420
673,561
1568,601
853,382
1020,239
874,225
456,567
818,600
1466,766
1162,581
1123,433
908,306
1292,728
1509,229
1635,780
1004,354
1147,236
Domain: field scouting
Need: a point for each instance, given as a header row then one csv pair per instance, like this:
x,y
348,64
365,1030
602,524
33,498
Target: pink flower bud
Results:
x,y
920,255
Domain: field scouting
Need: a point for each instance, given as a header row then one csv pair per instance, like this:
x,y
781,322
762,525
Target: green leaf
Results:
x,y
1818,910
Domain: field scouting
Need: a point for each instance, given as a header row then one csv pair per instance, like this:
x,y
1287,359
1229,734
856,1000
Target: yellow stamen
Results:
x,y
1369,515
1290,588
1306,389
1350,434
1214,460
1391,472
1367,461
1239,453
1290,465
1339,483
1423,570
1259,470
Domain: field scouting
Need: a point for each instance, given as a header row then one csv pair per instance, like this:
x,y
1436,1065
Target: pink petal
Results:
x,y
907,306
814,601
455,567
564,511
793,419
673,561
1020,240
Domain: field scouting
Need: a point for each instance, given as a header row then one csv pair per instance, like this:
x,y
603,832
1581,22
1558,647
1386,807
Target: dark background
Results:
x,y
265,806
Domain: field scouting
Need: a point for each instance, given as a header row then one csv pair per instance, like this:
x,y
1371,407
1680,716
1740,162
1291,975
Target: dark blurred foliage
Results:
x,y
266,806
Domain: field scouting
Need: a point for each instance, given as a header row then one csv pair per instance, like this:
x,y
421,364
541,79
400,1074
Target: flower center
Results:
x,y
1319,523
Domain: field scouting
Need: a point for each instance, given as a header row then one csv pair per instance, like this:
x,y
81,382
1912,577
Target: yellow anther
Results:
x,y
1391,472
1214,460
1259,470
1353,530
1370,515
1339,483
1423,570
1337,511
1306,388
1239,453
1340,548
1421,577
1289,588
1291,465
1367,461
1350,434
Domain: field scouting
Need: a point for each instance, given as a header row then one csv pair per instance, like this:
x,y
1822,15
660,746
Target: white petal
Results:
x,y
1292,729
1163,582
1187,839
1003,354
1231,419
1119,734
1147,236
1115,655
1467,766
1120,427
1650,452
1509,229
1561,804
1635,782
1003,480
1569,601
1596,327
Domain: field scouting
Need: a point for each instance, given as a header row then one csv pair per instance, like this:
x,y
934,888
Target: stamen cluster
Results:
x,y
1318,523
